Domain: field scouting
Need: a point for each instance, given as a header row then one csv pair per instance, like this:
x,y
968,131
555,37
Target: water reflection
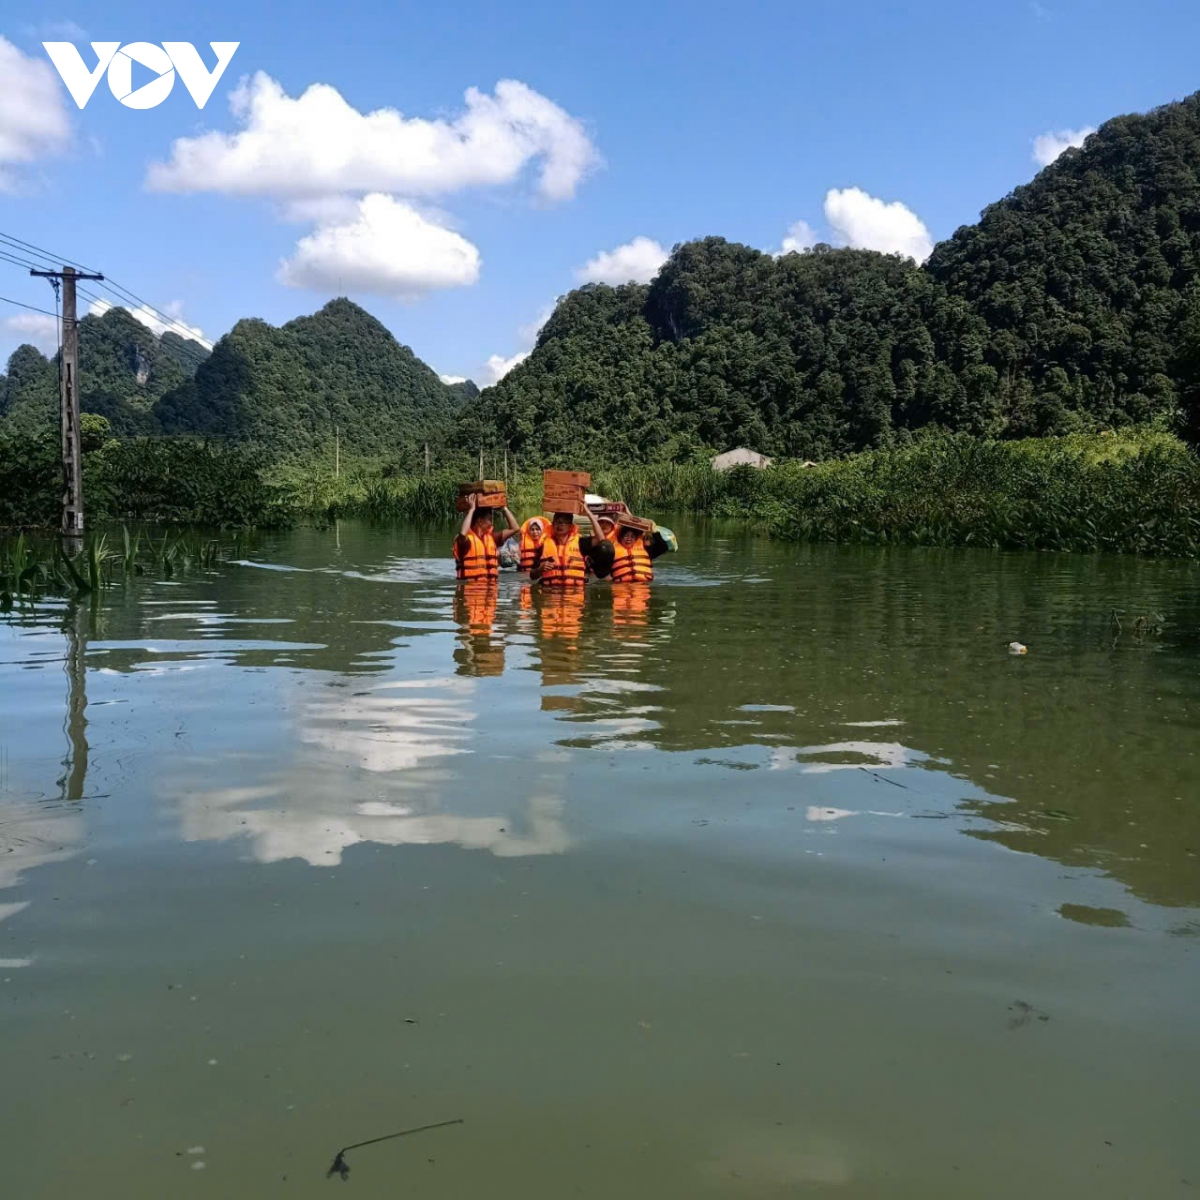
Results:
x,y
75,626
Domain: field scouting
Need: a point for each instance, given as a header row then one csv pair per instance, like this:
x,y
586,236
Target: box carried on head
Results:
x,y
488,493
565,491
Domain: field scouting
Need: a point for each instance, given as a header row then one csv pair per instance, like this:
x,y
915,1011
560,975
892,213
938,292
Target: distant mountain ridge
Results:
x,y
288,388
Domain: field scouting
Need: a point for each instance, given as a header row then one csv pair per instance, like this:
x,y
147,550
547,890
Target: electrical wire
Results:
x,y
54,259
43,311
17,262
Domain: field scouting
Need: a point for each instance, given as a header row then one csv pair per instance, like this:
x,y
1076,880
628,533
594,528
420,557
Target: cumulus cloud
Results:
x,y
154,322
1048,146
451,380
34,122
318,144
800,237
388,248
37,329
497,366
867,223
637,261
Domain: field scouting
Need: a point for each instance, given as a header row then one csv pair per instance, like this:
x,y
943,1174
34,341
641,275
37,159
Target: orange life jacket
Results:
x,y
482,559
563,566
529,546
631,564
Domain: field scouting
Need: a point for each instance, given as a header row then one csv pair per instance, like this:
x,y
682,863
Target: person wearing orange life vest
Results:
x,y
532,534
633,554
476,555
563,558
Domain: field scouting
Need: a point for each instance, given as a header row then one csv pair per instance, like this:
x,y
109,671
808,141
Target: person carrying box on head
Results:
x,y
476,556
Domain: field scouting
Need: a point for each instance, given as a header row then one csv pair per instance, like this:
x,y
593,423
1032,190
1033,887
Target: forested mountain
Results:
x,y
124,371
1074,303
288,388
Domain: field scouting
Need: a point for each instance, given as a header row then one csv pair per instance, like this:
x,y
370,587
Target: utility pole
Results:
x,y
480,460
426,458
72,457
337,453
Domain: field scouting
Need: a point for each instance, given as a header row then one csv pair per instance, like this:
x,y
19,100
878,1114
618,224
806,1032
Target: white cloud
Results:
x,y
33,116
635,262
867,223
800,237
37,329
450,380
1048,146
497,366
388,248
318,144
154,322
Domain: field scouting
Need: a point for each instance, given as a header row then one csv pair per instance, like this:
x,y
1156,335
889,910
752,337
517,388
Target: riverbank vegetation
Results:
x,y
34,566
1132,491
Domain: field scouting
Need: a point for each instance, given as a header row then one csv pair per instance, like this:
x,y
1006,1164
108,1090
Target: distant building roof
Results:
x,y
741,457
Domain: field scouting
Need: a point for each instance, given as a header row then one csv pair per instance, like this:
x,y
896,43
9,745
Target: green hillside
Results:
x,y
124,371
288,388
1073,304
285,389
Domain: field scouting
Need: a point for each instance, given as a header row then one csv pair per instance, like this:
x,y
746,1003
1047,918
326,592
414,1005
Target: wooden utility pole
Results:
x,y
337,453
72,456
426,458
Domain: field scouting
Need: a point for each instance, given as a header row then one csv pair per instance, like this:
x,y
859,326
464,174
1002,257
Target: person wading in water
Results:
x,y
476,556
633,553
563,559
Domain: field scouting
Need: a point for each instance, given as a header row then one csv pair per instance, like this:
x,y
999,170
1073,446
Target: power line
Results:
x,y
38,250
172,322
31,308
18,262
197,356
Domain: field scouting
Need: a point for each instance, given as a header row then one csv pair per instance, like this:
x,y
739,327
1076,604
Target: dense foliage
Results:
x,y
290,389
185,480
124,371
1073,304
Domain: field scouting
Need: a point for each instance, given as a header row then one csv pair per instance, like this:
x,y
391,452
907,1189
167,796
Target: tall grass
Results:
x,y
1136,493
32,567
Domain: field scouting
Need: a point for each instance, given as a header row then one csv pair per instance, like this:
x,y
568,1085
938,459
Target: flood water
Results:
x,y
781,877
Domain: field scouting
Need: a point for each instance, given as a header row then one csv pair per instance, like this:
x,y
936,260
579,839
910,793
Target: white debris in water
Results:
x,y
195,1150
1017,648
14,963
212,1062
124,1058
816,813
197,1166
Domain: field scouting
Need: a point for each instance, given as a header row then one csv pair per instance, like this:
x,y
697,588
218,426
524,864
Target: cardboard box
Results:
x,y
554,479
481,485
641,524
483,500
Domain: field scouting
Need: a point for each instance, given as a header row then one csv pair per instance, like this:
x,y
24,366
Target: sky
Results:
x,y
455,168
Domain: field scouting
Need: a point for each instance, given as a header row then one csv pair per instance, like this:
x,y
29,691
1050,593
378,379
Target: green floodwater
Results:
x,y
781,878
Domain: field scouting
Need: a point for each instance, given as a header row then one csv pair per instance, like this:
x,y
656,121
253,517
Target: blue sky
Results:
x,y
660,121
